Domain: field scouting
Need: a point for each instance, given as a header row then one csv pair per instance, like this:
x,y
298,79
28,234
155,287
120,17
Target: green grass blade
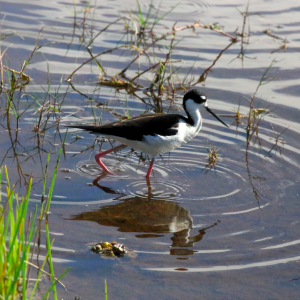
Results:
x,y
53,286
140,13
54,283
19,228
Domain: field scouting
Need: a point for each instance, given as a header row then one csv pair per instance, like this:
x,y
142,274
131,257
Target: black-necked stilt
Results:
x,y
155,134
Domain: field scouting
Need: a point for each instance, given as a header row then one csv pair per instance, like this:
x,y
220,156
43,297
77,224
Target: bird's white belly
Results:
x,y
158,144
151,145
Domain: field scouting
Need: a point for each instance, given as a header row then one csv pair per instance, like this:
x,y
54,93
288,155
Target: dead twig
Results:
x,y
209,26
268,32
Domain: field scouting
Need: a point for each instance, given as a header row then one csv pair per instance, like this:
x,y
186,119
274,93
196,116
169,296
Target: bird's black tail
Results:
x,y
86,127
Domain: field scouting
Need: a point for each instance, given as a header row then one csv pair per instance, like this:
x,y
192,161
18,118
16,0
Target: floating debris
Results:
x,y
212,157
66,170
118,83
110,249
259,111
238,117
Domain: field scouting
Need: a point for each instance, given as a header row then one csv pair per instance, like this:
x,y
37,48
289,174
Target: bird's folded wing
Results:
x,y
138,127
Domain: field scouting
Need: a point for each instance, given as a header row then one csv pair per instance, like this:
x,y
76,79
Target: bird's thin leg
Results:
x,y
99,155
150,168
149,188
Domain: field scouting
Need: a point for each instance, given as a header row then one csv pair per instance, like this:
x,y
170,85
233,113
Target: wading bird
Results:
x,y
157,133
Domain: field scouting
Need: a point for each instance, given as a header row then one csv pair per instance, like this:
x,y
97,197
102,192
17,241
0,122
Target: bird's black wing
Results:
x,y
136,128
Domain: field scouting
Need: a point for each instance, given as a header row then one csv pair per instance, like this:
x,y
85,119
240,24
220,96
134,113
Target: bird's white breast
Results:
x,y
158,144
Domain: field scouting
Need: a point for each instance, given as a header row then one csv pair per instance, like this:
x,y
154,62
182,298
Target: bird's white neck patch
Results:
x,y
193,109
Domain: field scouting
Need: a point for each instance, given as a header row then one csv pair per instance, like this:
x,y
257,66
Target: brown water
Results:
x,y
227,233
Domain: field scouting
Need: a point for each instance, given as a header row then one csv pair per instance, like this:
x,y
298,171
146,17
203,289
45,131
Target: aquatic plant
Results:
x,y
18,239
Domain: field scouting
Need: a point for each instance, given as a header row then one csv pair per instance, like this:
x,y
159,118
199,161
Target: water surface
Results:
x,y
229,232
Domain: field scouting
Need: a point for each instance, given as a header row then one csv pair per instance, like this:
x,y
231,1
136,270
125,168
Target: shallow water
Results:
x,y
230,232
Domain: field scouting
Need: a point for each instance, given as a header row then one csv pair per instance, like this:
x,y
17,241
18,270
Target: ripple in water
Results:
x,y
190,7
186,201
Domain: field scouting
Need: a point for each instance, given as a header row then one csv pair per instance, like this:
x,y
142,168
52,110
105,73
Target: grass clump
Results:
x,y
15,241
18,232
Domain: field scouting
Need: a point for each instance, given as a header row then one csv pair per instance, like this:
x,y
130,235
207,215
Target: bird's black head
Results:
x,y
196,95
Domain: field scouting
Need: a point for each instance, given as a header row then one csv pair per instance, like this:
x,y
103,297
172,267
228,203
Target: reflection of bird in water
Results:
x,y
157,133
183,239
151,218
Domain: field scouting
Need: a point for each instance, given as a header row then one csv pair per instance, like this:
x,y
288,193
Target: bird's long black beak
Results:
x,y
215,116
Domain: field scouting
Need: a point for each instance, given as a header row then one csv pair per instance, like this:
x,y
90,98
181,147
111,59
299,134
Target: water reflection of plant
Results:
x,y
252,129
256,114
277,140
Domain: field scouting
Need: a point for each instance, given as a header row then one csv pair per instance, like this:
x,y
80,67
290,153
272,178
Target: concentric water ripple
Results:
x,y
244,195
192,8
222,212
237,225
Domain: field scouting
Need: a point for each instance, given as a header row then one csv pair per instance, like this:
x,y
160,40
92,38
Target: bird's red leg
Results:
x,y
150,168
99,155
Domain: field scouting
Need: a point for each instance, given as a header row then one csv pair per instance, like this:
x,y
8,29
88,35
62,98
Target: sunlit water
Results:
x,y
226,232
